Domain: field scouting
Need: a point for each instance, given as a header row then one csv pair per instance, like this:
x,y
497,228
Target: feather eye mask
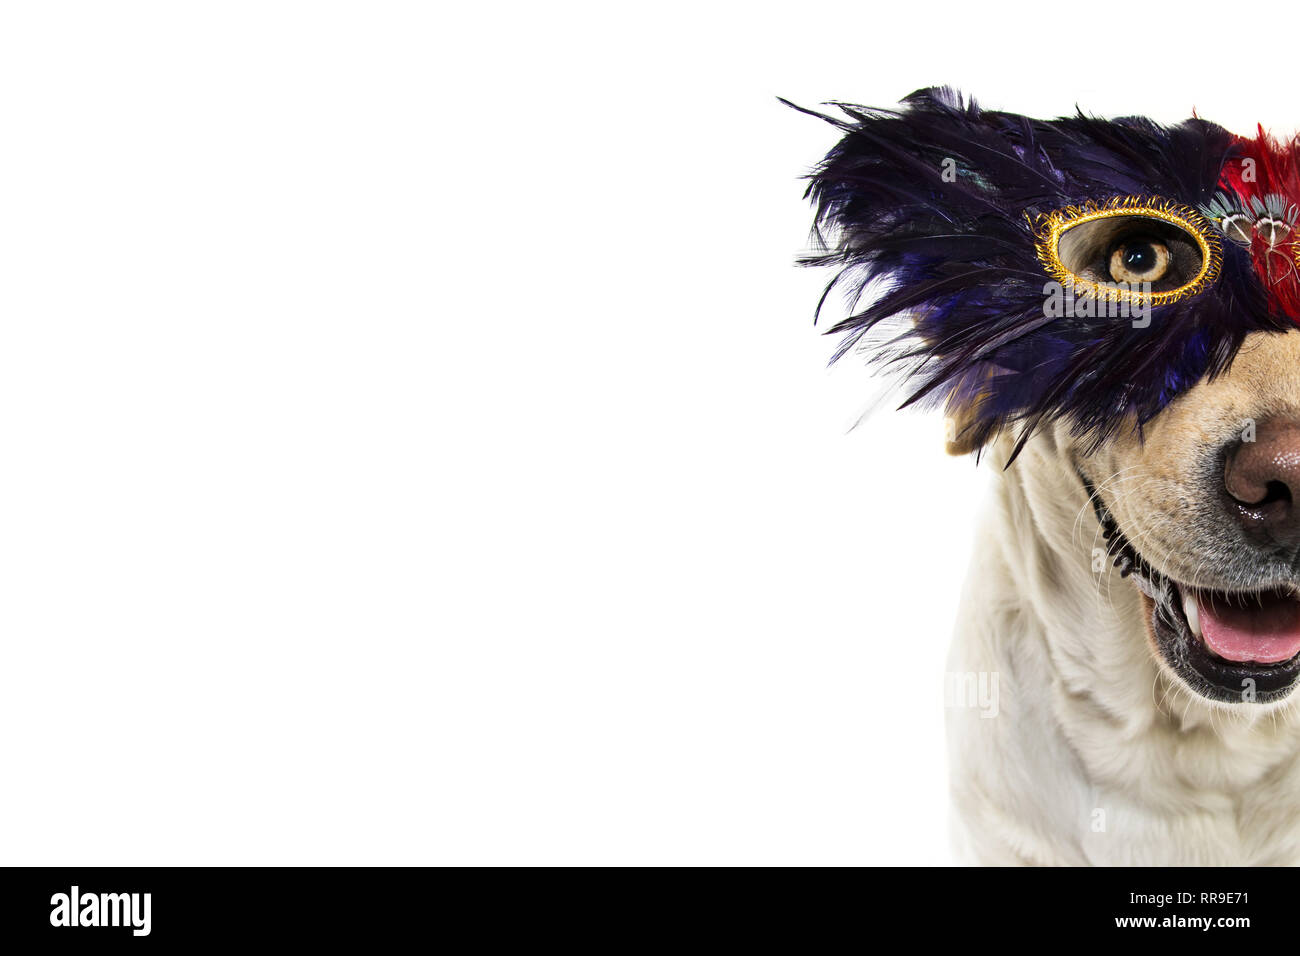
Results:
x,y
1024,270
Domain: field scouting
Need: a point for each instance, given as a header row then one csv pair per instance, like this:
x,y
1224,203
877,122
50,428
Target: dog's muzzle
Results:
x,y
1233,646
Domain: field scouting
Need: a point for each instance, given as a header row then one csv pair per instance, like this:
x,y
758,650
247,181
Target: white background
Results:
x,y
415,448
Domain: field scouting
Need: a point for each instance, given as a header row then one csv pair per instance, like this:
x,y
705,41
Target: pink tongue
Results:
x,y
1264,635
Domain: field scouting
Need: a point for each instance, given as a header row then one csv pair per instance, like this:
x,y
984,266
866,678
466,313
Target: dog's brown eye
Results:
x,y
1116,255
1139,260
1130,249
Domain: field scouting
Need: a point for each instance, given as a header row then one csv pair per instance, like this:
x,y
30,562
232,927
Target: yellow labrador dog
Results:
x,y
1106,310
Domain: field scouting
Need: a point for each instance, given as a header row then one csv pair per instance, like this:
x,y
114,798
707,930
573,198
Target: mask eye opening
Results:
x,y
1051,227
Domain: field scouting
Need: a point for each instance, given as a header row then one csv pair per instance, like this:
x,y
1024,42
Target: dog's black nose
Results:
x,y
1263,478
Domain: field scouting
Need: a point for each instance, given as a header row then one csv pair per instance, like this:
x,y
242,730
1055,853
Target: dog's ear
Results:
x,y
961,430
965,424
936,216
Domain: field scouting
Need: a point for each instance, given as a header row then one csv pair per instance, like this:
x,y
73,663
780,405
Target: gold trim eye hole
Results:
x,y
1127,249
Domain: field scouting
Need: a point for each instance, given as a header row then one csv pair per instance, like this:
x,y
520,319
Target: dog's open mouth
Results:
x,y
1235,647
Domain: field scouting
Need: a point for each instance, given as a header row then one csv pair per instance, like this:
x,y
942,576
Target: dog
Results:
x,y
1106,311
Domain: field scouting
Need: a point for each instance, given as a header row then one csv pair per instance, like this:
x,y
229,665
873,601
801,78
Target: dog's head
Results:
x,y
1126,290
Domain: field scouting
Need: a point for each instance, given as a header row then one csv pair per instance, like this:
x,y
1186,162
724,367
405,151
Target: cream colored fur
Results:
x,y
1098,754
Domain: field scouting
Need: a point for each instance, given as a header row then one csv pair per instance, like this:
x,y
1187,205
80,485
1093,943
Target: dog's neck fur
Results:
x,y
1095,754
